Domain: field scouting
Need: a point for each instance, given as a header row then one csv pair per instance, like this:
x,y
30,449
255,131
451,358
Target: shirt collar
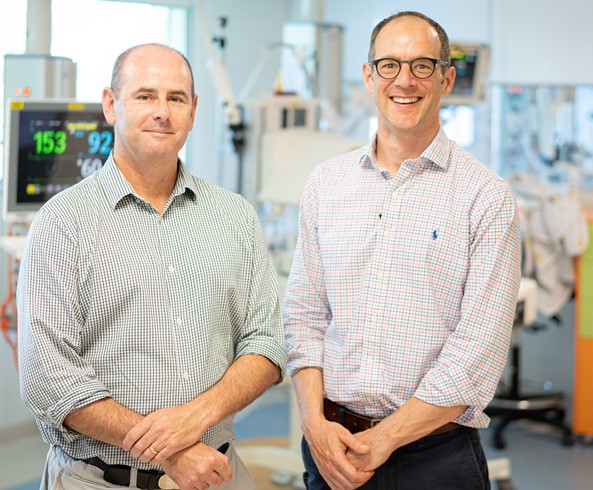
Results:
x,y
437,152
116,186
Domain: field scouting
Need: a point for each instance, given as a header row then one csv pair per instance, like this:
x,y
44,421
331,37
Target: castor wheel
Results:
x,y
498,441
505,485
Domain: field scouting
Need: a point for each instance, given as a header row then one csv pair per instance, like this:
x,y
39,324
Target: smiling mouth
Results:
x,y
405,100
159,131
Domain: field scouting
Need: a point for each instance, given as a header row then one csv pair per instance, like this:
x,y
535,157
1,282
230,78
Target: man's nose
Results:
x,y
405,75
161,109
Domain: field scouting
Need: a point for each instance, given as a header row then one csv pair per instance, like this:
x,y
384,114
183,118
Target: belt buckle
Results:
x,y
166,483
375,422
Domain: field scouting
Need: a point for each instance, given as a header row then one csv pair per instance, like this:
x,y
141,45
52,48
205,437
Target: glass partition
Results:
x,y
543,131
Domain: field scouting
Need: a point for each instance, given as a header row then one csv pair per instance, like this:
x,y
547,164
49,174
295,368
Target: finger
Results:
x,y
137,451
339,480
332,472
142,444
160,457
214,479
359,447
164,454
360,483
148,455
336,481
223,469
352,467
145,457
135,433
153,451
353,443
343,468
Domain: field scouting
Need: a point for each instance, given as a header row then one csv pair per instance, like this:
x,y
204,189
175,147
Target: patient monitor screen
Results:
x,y
52,146
471,66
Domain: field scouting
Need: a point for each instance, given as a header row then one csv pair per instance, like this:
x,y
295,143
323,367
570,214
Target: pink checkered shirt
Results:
x,y
405,286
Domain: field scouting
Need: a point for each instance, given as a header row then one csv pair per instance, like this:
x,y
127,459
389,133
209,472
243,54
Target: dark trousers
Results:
x,y
451,461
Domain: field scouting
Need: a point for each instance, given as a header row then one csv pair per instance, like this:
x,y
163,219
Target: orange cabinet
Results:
x,y
582,420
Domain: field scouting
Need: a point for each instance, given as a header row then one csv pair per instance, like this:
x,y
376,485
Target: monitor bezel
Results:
x,y
12,210
480,75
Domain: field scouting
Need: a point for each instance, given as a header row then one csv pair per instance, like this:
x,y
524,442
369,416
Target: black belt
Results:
x,y
357,423
120,474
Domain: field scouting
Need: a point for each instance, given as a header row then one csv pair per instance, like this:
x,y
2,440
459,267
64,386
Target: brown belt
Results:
x,y
357,423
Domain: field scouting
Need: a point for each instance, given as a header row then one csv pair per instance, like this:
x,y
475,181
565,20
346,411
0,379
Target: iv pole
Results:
x,y
232,113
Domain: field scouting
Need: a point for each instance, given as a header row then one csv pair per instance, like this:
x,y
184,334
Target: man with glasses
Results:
x,y
401,298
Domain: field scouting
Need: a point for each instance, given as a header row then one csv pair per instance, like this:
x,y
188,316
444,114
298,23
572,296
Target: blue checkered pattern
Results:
x,y
405,286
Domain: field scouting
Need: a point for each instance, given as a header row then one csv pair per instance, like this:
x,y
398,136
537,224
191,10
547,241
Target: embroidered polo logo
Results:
x,y
435,234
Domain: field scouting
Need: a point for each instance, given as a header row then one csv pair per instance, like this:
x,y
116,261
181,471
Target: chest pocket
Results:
x,y
447,260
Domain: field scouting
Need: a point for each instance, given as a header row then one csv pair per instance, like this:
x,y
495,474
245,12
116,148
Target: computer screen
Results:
x,y
49,146
471,66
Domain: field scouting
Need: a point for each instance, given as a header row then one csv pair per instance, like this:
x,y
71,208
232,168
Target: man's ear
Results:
x,y
367,76
449,80
108,102
193,109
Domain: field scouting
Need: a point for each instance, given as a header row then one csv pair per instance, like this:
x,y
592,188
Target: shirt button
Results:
x,y
369,362
162,221
179,321
138,200
171,268
386,233
380,275
373,319
186,375
394,193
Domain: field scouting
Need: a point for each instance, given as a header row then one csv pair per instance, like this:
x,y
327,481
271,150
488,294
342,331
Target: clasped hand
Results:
x,y
332,447
377,454
198,467
163,433
170,437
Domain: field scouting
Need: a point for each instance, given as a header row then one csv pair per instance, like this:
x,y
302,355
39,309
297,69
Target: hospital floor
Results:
x,y
538,459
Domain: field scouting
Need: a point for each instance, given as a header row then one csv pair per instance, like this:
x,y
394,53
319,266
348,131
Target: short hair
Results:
x,y
116,74
443,38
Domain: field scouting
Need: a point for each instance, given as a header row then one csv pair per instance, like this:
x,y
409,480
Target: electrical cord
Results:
x,y
8,310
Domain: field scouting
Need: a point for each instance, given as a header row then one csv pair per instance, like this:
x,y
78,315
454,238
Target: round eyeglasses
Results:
x,y
388,68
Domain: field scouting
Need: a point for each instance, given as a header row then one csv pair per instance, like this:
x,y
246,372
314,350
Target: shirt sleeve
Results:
x,y
306,312
471,362
54,377
262,329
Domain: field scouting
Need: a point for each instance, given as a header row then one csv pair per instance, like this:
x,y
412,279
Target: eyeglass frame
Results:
x,y
436,62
